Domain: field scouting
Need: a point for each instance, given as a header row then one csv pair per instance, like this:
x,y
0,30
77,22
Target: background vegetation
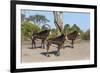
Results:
x,y
32,25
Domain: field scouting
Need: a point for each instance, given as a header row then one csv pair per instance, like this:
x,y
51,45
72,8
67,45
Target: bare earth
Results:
x,y
81,51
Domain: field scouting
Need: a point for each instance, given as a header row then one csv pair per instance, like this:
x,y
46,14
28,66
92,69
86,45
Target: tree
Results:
x,y
86,35
39,19
66,28
22,17
27,28
75,28
58,20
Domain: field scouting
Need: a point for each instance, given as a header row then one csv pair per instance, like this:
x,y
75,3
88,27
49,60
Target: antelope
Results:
x,y
59,41
72,36
41,35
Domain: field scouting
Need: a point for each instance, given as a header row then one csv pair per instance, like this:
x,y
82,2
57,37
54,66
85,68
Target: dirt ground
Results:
x,y
81,51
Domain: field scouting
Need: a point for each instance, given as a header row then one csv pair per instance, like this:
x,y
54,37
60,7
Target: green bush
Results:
x,y
27,28
69,29
54,33
85,35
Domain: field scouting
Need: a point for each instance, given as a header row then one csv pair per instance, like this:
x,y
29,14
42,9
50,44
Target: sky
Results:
x,y
81,19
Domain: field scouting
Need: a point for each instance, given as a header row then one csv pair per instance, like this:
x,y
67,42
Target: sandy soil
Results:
x,y
81,51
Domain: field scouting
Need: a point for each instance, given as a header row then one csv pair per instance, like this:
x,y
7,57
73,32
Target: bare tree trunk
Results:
x,y
58,20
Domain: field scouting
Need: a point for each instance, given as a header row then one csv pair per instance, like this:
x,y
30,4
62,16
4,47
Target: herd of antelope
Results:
x,y
59,40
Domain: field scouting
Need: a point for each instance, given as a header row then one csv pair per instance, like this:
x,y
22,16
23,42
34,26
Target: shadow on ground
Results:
x,y
37,47
45,53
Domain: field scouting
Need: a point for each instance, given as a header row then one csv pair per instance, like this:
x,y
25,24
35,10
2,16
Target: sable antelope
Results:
x,y
59,41
72,36
41,35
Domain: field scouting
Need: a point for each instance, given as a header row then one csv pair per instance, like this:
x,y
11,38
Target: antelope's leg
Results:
x,y
33,42
72,43
43,44
48,46
58,50
63,46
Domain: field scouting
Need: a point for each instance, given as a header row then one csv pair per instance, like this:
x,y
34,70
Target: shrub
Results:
x,y
85,35
54,33
27,28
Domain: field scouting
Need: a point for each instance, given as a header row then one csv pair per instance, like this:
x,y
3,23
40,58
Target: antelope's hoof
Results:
x,y
63,48
57,54
72,47
48,55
